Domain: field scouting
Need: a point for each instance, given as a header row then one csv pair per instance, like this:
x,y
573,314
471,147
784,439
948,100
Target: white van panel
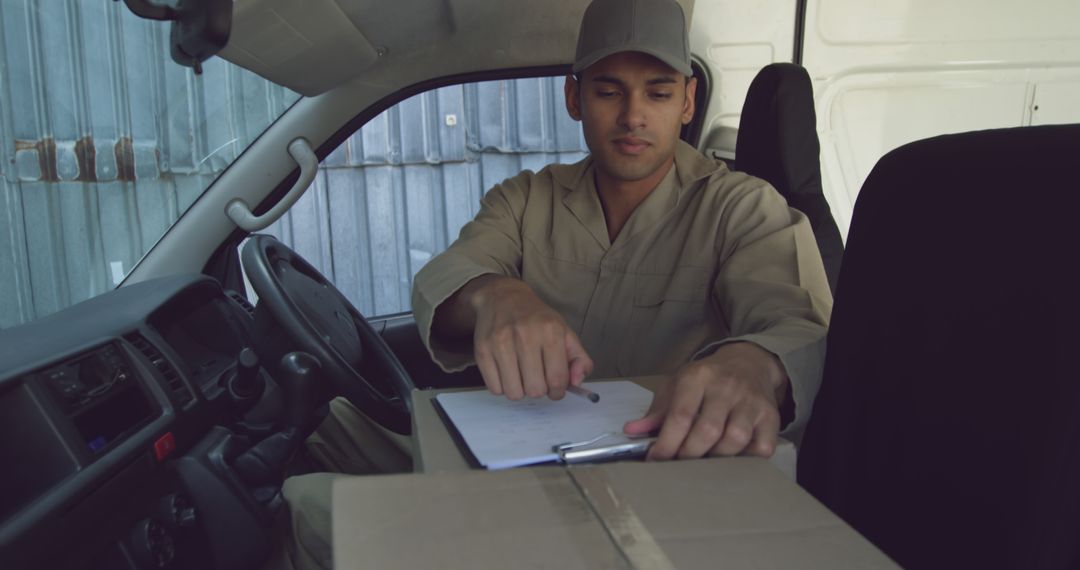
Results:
x,y
1057,101
907,23
736,39
888,73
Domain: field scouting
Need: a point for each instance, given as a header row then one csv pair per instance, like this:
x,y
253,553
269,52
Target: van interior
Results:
x,y
214,210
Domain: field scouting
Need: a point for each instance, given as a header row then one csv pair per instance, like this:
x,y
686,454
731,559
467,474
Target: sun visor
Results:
x,y
401,26
309,47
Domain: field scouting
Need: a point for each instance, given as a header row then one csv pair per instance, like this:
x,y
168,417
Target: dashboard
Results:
x,y
117,428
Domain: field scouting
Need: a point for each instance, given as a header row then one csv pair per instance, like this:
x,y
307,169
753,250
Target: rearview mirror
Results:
x,y
200,27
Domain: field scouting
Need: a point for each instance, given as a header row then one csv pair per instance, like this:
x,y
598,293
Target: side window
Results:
x,y
396,192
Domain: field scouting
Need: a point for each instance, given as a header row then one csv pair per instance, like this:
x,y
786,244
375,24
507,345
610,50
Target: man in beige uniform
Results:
x,y
645,258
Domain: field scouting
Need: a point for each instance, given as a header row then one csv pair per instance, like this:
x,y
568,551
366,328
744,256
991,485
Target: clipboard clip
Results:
x,y
625,449
576,444
570,445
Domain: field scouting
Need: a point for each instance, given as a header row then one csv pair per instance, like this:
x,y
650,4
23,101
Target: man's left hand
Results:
x,y
724,404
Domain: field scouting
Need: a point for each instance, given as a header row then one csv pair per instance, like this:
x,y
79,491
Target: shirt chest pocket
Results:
x,y
687,285
667,321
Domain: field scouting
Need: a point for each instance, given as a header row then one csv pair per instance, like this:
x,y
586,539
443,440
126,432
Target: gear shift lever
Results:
x,y
265,463
245,386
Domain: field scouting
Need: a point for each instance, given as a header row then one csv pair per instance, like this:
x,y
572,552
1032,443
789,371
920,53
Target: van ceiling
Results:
x,y
316,45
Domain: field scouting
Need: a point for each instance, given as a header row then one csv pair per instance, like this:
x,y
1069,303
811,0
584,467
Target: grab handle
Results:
x,y
239,212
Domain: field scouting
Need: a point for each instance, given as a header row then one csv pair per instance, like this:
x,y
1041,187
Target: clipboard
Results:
x,y
495,433
456,437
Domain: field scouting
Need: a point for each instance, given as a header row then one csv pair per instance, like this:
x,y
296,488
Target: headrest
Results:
x,y
980,194
778,131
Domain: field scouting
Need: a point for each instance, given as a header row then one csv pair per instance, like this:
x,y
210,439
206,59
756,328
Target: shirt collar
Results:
x,y
583,201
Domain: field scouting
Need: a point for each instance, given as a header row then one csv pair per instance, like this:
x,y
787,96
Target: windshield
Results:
x,y
106,142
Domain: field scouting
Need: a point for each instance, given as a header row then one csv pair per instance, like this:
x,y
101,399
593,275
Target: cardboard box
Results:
x,y
710,513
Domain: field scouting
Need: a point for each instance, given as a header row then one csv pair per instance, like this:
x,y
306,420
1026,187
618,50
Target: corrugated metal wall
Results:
x,y
106,141
398,190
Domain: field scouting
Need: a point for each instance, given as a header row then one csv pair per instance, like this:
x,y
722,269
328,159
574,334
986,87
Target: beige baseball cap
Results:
x,y
655,27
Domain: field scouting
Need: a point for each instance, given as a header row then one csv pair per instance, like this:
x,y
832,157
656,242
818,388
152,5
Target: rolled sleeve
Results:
x,y
489,244
772,291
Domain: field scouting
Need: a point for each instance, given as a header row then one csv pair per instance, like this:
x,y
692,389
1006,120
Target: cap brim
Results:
x,y
675,63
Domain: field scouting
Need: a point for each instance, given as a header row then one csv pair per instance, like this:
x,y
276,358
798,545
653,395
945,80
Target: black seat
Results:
x,y
947,427
778,142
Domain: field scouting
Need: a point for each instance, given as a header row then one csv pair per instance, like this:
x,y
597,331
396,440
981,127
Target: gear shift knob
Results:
x,y
296,376
246,383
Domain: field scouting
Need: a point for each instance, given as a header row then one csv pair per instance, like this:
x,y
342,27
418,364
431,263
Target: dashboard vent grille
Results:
x,y
176,385
243,302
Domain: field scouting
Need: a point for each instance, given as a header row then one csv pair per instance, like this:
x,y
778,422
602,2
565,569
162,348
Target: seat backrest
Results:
x,y
947,426
778,142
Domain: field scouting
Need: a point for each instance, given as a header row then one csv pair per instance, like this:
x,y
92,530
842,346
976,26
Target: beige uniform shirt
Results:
x,y
710,256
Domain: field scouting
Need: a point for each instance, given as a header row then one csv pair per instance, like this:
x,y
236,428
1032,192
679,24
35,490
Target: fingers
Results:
x,y
736,433
709,428
654,417
650,422
556,371
531,366
718,430
580,363
686,400
533,361
485,361
766,435
712,412
509,374
522,346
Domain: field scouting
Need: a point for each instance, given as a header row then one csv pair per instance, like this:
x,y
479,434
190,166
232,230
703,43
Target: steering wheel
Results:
x,y
317,318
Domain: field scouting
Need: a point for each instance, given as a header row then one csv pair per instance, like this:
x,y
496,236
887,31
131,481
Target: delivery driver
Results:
x,y
644,258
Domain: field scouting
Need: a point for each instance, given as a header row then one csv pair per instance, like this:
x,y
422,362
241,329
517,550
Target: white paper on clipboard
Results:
x,y
502,433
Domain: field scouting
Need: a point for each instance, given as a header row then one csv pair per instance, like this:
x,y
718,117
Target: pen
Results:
x,y
584,393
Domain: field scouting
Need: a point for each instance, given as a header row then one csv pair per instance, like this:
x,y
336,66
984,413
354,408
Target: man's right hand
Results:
x,y
522,346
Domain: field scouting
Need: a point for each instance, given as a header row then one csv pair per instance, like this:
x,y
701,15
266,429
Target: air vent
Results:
x,y
176,385
243,302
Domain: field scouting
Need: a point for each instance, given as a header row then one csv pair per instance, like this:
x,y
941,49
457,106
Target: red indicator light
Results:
x,y
165,445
